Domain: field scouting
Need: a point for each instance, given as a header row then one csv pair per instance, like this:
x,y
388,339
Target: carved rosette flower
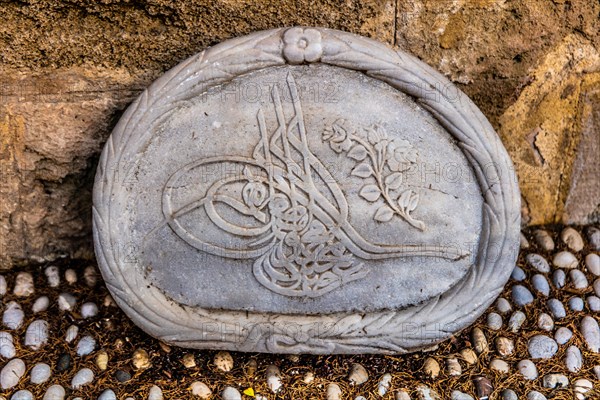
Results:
x,y
400,155
339,136
302,45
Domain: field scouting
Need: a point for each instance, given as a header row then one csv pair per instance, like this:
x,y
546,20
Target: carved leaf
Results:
x,y
404,199
414,200
362,170
408,200
370,192
394,181
384,214
358,152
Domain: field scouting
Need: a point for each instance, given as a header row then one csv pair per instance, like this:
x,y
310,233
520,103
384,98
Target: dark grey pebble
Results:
x,y
64,362
122,376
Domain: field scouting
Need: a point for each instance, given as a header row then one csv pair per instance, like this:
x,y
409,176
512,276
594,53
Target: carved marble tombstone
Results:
x,y
304,190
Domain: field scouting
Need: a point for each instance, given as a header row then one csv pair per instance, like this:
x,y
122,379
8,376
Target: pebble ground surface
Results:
x,y
62,337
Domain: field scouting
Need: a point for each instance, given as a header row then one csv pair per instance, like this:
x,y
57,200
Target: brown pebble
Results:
x,y
251,367
431,367
483,387
141,359
479,341
188,360
469,356
165,347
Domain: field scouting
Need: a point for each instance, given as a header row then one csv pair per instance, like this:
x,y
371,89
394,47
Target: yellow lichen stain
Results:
x,y
12,130
454,32
541,129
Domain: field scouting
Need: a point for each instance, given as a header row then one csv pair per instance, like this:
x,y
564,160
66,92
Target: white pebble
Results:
x,y
453,367
556,308
358,374
597,287
24,285
538,262
66,301
55,392
565,260
528,369
563,335
3,286
509,394
545,322
40,373
597,371
402,395
426,393
384,384
230,393
41,304
592,262
83,377
591,333
516,320
458,395
503,306
37,334
521,296
578,279
13,315
540,284
86,346
89,310
535,395
576,303
155,393
12,373
7,346
542,346
71,334
53,276
71,276
500,366
273,378
201,390
581,387
518,274
573,359
572,239
559,278
108,394
494,321
22,395
594,303
553,381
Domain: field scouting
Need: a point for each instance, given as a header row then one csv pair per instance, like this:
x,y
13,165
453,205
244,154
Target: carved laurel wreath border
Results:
x,y
399,331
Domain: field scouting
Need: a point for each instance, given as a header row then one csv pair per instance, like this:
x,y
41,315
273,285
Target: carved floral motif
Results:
x,y
382,163
302,45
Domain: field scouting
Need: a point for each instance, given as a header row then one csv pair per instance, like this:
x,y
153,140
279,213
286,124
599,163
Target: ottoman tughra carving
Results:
x,y
304,190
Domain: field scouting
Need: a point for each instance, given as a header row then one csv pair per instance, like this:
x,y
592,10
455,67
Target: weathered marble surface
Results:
x,y
305,190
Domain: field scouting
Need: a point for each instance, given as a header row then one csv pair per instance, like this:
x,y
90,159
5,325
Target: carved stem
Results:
x,y
383,189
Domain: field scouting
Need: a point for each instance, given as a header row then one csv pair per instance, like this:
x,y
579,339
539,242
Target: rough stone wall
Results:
x,y
69,68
